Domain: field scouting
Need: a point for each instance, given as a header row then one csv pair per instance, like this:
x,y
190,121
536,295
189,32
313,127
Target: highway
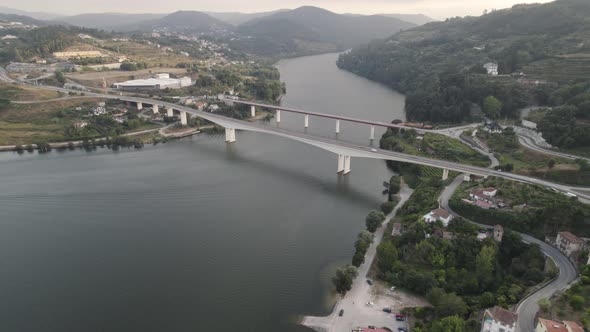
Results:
x,y
344,148
527,309
530,144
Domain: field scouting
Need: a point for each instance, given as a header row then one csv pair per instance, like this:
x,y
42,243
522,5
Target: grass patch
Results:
x,y
25,93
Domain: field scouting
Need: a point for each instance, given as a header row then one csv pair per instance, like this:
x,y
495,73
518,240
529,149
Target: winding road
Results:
x,y
527,309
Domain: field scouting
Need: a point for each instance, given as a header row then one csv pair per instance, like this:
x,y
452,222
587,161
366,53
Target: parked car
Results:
x,y
387,310
400,317
341,312
370,304
402,329
392,289
369,281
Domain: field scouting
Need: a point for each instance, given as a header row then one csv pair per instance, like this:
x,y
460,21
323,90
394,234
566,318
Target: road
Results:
x,y
528,308
356,312
530,144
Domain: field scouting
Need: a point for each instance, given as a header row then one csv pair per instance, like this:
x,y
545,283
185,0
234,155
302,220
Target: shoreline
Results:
x,y
356,313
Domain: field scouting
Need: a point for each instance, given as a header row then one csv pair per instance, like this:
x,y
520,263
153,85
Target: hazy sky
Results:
x,y
439,9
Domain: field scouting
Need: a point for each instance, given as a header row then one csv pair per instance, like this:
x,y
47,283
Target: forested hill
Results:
x,y
309,29
439,65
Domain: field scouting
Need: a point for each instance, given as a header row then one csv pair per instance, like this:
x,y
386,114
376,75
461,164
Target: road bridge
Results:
x,y
345,151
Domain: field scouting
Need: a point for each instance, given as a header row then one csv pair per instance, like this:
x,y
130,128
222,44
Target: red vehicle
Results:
x,y
400,317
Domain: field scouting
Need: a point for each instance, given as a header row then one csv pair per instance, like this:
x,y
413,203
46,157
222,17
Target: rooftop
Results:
x,y
552,326
440,213
573,326
571,237
505,317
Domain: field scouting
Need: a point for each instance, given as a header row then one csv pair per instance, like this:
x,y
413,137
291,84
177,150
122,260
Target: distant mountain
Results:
x,y
308,30
35,15
418,19
108,21
180,21
241,18
21,18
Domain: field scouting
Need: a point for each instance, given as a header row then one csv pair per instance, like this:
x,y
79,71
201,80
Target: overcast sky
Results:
x,y
439,9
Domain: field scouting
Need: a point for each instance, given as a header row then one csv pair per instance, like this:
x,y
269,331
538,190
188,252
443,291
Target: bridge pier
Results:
x,y
372,136
155,109
169,112
306,120
230,135
337,126
278,116
139,106
183,120
346,165
445,174
343,164
253,111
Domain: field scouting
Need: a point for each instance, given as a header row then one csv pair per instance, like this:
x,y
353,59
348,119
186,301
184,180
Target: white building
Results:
x,y
491,68
160,82
569,244
439,214
498,319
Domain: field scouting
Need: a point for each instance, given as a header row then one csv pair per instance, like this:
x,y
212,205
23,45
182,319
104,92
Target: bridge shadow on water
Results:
x,y
341,187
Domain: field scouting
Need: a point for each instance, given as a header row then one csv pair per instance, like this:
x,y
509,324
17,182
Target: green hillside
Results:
x,y
437,64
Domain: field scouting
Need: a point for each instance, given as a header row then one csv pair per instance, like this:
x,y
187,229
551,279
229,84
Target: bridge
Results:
x,y
345,151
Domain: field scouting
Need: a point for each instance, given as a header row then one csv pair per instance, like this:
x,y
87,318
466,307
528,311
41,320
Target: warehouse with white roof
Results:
x,y
160,82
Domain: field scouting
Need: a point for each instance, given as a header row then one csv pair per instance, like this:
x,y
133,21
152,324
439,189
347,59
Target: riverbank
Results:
x,y
354,303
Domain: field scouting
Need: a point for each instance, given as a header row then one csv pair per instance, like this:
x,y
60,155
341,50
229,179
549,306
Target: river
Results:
x,y
193,234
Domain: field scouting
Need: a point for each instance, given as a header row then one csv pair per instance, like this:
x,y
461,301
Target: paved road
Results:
x,y
356,312
530,144
528,308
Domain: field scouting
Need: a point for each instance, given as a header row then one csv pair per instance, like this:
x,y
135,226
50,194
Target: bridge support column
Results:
x,y
278,116
340,163
169,112
337,126
230,135
372,136
139,106
183,118
445,174
155,109
346,165
253,111
306,120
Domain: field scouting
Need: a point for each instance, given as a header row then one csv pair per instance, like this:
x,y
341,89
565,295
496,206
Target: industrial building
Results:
x,y
159,82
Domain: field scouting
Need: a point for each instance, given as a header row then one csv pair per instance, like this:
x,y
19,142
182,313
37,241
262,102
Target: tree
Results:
x,y
387,256
484,265
374,220
343,278
492,107
551,163
449,324
59,76
577,302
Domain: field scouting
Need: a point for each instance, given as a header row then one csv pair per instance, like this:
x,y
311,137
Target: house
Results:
x,y
491,68
397,229
484,205
439,233
546,325
439,214
213,108
482,235
200,105
80,124
498,233
498,319
569,244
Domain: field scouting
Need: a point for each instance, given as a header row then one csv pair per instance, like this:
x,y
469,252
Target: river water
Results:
x,y
193,234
